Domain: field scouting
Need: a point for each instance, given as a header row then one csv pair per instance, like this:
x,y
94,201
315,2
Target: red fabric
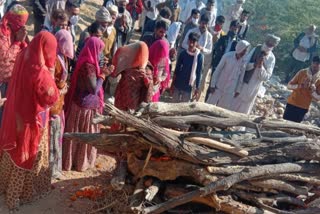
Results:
x,y
31,92
16,17
139,6
159,50
89,54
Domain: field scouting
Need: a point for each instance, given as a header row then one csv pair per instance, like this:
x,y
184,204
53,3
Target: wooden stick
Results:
x,y
220,146
229,181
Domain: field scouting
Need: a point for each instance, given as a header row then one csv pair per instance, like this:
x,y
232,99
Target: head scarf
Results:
x,y
31,91
113,9
65,43
159,50
134,55
89,54
127,1
311,30
241,46
16,17
103,15
275,40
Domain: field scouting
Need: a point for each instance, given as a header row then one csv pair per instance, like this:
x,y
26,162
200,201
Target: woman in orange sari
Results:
x,y
24,162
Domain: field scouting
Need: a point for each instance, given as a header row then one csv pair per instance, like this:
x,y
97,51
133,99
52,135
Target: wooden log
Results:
x,y
103,120
173,109
259,203
219,146
280,185
226,183
298,177
109,142
224,203
169,170
164,141
119,179
226,170
248,187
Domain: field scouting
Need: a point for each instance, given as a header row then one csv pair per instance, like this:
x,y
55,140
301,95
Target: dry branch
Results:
x,y
226,183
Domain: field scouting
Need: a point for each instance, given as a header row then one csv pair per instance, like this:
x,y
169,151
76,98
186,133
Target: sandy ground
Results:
x,y
59,200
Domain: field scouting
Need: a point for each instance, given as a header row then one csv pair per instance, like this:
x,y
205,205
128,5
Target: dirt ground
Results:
x,y
59,200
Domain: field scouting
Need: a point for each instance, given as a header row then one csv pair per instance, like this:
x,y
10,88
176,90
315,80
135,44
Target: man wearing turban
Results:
x,y
259,68
223,87
12,26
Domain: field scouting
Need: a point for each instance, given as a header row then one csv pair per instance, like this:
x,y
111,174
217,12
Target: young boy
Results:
x,y
188,71
306,87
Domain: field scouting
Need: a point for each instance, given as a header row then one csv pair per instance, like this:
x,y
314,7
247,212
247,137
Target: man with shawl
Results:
x,y
259,68
13,36
57,118
123,23
188,71
85,98
24,142
135,85
159,59
305,46
223,87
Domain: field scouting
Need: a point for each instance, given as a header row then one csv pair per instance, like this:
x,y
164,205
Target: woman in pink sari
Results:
x,y
84,100
159,58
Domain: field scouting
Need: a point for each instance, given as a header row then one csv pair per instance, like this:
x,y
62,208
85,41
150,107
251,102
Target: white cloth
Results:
x,y
154,13
173,33
241,46
205,41
193,74
305,42
226,79
248,92
186,12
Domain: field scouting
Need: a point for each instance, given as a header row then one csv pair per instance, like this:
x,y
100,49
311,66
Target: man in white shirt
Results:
x,y
223,87
259,68
232,13
305,45
192,4
210,10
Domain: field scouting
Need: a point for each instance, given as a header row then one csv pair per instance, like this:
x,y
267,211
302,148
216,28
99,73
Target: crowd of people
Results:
x,y
57,83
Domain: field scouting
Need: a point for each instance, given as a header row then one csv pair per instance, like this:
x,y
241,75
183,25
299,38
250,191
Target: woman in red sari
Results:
x,y
12,39
159,58
24,163
83,101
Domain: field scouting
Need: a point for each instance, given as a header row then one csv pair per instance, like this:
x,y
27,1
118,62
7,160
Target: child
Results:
x,y
188,71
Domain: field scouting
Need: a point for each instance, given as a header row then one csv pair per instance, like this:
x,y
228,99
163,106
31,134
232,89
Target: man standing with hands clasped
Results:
x,y
305,87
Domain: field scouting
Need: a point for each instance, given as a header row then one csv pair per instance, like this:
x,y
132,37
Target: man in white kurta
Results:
x,y
224,81
186,11
262,66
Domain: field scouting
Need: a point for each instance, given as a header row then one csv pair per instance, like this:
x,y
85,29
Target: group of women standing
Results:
x,y
42,104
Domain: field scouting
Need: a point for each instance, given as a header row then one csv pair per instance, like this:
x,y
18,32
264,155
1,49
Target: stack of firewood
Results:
x,y
195,157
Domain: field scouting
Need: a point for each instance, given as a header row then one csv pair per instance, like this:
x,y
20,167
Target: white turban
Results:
x,y
113,9
242,45
103,15
127,1
275,40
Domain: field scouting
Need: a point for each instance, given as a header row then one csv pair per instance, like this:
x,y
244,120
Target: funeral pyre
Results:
x,y
193,158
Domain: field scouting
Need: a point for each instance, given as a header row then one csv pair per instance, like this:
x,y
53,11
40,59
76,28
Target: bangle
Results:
x,y
102,76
